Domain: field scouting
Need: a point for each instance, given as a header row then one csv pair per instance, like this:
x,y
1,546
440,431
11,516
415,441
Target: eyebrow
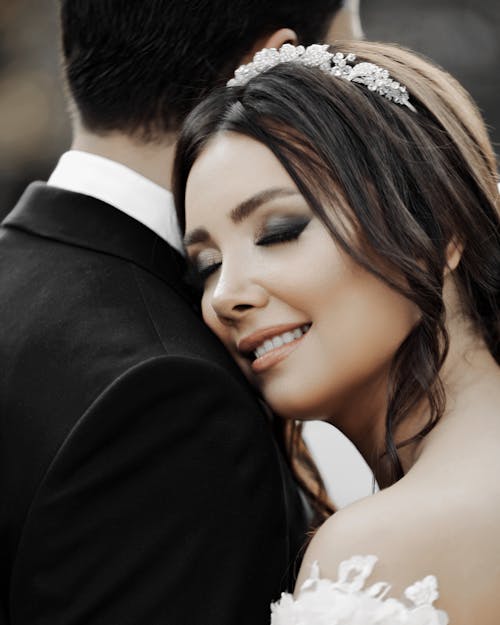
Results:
x,y
242,211
247,207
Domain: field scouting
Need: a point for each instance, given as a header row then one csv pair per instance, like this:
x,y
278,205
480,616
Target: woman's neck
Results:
x,y
471,384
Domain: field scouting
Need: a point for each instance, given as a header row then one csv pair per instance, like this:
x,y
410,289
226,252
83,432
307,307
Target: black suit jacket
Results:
x,y
140,482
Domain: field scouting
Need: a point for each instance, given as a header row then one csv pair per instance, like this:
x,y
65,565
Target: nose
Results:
x,y
235,295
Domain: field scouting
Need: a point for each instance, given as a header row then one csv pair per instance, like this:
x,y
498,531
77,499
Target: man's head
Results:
x,y
139,67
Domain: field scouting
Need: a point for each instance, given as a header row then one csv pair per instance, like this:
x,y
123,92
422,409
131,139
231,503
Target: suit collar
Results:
x,y
121,187
83,221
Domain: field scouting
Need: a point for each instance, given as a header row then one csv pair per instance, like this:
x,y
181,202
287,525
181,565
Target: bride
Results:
x,y
341,214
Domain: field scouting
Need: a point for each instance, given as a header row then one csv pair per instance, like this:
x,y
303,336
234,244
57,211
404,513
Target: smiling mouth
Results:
x,y
279,340
275,348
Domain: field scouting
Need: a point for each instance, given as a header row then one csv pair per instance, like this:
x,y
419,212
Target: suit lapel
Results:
x,y
83,221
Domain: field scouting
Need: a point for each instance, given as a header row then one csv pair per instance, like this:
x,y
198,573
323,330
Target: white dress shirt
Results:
x,y
121,187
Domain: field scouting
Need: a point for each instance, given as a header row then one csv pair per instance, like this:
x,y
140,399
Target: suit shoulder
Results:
x,y
167,395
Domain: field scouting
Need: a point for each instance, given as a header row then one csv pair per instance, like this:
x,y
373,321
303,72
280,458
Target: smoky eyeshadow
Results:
x,y
281,227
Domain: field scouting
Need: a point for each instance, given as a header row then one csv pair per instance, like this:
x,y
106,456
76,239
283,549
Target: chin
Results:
x,y
296,407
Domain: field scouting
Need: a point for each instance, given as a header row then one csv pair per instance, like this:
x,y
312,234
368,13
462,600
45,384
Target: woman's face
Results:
x,y
311,329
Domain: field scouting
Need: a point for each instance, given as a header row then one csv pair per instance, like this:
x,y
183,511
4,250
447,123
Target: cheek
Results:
x,y
364,323
223,334
210,318
358,325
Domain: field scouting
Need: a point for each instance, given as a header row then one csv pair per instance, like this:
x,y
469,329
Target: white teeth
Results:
x,y
279,340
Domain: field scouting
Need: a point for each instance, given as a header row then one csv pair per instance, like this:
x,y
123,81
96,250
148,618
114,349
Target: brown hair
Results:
x,y
406,183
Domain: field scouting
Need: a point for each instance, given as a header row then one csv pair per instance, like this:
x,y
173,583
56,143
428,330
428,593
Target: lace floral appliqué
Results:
x,y
348,602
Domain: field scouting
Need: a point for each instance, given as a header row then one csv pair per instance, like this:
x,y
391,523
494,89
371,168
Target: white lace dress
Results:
x,y
348,602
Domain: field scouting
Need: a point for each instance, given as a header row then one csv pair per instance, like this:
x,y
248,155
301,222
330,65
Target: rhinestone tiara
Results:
x,y
341,65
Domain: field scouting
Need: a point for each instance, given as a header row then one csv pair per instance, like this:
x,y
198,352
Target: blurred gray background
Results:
x,y
461,35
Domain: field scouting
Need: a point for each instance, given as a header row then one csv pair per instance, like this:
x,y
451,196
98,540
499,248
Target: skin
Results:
x,y
434,520
357,321
347,23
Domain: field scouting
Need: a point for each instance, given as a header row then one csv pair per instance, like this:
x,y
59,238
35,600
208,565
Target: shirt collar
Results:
x,y
121,187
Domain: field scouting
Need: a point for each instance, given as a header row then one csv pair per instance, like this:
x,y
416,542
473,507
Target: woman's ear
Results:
x,y
274,40
454,251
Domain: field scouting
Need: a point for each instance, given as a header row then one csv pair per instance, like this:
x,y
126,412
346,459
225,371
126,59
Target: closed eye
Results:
x,y
204,265
205,272
282,230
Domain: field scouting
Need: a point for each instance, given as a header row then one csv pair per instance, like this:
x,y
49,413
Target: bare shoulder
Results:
x,y
415,533
380,525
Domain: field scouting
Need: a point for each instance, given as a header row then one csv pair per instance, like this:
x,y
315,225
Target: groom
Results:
x,y
140,481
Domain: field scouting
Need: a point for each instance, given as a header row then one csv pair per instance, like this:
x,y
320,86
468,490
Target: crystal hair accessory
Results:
x,y
341,65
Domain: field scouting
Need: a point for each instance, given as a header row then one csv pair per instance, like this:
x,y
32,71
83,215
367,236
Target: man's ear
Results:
x,y
454,251
274,40
280,37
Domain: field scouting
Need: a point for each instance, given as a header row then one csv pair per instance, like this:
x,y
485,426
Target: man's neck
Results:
x,y
151,160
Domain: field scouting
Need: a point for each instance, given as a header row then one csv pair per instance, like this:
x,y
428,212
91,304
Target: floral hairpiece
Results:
x,y
341,65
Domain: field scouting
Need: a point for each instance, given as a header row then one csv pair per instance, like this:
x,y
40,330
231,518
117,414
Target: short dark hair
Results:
x,y
408,183
141,66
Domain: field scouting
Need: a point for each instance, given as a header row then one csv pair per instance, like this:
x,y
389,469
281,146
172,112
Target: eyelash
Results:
x,y
284,234
196,277
206,272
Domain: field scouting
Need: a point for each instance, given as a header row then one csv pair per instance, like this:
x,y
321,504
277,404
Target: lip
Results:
x,y
250,343
272,358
